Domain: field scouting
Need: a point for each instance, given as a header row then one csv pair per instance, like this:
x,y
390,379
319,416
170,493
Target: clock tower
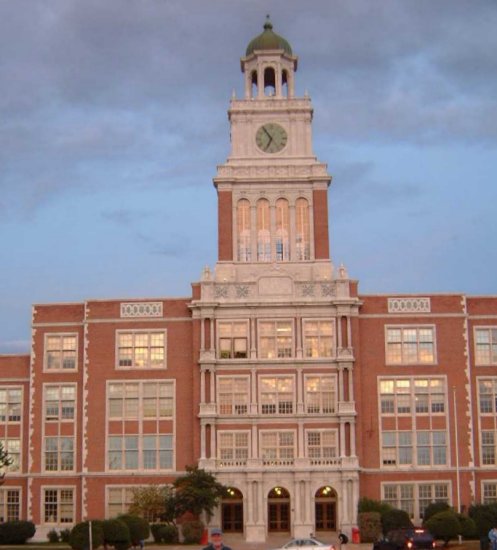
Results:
x,y
275,321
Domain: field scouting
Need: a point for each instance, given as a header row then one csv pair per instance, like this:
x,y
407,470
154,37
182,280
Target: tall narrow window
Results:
x,y
243,226
303,235
263,231
282,230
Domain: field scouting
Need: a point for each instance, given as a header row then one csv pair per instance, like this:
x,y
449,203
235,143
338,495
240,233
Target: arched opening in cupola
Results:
x,y
269,81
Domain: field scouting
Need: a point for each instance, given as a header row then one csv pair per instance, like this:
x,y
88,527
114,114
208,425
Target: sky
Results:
x,y
113,119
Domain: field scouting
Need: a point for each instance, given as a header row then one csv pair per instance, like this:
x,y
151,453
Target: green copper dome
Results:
x,y
268,40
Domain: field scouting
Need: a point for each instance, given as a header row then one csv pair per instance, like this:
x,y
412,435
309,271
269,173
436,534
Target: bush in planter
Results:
x,y
369,526
16,532
164,532
116,533
192,531
79,539
139,528
53,536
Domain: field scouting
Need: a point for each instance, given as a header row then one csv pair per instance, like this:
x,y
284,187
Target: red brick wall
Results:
x,y
321,238
225,226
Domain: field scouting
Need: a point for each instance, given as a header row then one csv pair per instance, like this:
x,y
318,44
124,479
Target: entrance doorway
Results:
x,y
232,511
278,510
325,509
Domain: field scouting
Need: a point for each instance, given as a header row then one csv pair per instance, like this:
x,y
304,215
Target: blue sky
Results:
x,y
113,120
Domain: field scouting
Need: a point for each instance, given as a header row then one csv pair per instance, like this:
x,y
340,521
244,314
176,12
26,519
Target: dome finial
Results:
x,y
268,25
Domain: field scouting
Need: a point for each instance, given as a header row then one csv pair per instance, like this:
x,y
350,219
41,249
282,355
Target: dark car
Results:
x,y
406,539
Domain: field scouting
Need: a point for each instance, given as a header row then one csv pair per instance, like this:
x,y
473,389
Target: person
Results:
x,y
216,541
492,537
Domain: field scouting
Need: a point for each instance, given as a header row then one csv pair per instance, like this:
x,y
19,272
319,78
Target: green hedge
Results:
x,y
16,532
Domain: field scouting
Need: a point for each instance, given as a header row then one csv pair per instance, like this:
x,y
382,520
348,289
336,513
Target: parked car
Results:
x,y
309,543
406,539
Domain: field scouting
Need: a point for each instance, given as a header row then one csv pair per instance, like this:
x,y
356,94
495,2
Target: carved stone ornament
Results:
x,y
308,290
409,305
141,309
327,291
221,291
242,291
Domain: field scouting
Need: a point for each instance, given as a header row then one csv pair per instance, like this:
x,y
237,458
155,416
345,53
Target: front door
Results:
x,y
279,516
232,517
325,516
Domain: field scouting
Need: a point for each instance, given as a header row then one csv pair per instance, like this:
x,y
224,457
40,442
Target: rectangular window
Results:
x,y
277,448
10,503
233,394
151,399
414,498
488,448
13,448
320,394
59,402
410,345
489,491
322,446
59,454
486,346
414,395
58,505
141,349
60,352
119,500
419,448
318,338
275,339
233,448
232,339
276,395
487,395
10,404
140,452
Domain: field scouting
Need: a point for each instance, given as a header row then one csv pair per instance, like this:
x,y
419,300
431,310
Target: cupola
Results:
x,y
269,66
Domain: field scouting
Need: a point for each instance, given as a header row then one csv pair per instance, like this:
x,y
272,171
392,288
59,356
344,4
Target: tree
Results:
x,y
196,492
5,461
444,526
150,502
434,508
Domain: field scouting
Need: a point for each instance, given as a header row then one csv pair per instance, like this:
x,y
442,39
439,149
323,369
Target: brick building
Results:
x,y
276,374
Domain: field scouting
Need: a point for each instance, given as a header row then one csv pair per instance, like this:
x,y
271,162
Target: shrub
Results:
x,y
369,526
53,536
164,532
371,505
64,535
16,532
395,519
116,533
484,516
435,508
192,531
79,538
138,528
444,526
468,527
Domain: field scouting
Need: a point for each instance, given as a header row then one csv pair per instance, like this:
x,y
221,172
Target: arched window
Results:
x,y
284,84
303,235
282,230
263,231
253,84
269,81
243,230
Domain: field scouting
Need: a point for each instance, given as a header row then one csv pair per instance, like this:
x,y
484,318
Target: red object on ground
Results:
x,y
356,537
205,537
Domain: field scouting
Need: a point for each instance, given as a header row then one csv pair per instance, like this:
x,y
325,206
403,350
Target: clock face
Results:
x,y
271,138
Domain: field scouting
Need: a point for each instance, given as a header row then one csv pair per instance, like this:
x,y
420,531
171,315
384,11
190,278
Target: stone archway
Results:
x,y
278,510
325,509
232,511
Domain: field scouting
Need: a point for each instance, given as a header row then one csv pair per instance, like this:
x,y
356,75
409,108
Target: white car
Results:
x,y
309,543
